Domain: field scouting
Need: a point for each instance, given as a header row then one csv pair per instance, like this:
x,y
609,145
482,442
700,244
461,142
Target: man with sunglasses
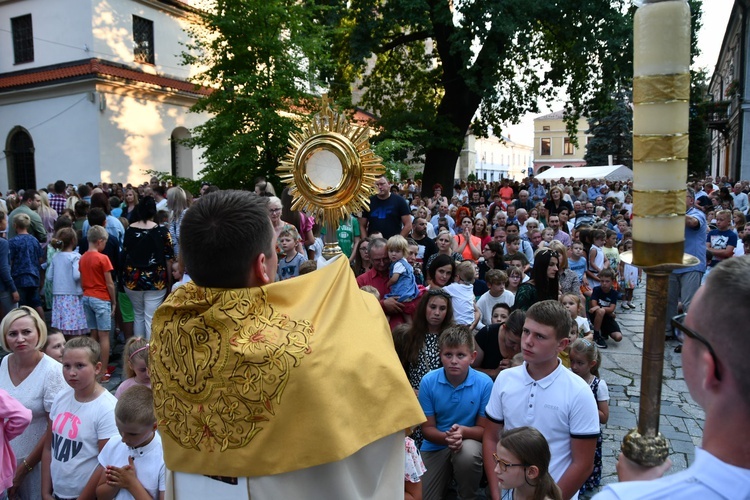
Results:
x,y
716,335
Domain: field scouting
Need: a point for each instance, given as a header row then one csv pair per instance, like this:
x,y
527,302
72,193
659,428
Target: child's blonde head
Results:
x,y
496,277
136,406
397,243
590,352
465,271
371,289
96,233
135,348
575,298
22,221
289,232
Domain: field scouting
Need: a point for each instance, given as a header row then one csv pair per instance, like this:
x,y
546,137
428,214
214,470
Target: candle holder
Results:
x,y
646,445
331,171
661,100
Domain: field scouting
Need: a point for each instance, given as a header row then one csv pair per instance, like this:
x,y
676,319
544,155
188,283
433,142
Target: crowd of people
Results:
x,y
499,299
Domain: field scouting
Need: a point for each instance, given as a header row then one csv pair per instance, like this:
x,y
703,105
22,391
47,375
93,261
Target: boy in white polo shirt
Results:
x,y
544,394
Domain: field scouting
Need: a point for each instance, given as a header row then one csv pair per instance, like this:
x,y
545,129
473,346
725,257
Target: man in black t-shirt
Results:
x,y
389,213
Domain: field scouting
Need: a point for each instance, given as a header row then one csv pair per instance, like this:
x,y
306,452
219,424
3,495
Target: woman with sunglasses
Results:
x,y
544,282
522,466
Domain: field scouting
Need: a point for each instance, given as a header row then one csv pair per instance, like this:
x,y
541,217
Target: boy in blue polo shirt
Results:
x,y
454,398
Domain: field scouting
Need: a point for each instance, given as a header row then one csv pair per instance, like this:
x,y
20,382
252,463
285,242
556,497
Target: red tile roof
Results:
x,y
98,69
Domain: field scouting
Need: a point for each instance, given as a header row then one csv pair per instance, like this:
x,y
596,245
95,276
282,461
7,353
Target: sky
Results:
x,y
715,18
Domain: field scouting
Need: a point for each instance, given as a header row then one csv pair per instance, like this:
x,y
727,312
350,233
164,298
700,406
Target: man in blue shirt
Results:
x,y
683,283
593,190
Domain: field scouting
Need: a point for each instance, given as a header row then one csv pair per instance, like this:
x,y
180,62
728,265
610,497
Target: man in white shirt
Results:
x,y
542,393
716,335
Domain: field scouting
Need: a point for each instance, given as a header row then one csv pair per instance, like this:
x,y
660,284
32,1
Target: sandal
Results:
x,y
105,378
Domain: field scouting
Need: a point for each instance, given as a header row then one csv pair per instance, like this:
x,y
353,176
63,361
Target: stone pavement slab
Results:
x,y
681,418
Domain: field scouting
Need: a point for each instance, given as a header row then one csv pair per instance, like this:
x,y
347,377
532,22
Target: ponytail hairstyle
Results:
x,y
64,238
532,449
589,350
135,348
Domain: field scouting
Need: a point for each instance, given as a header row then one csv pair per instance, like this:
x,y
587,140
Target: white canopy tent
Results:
x,y
608,172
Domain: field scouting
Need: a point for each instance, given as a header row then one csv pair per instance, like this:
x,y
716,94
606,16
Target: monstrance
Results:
x,y
330,170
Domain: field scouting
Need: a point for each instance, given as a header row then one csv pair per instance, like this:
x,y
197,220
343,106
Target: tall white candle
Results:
x,y
660,124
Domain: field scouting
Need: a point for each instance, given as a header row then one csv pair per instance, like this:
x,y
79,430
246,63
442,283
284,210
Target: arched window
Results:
x,y
19,152
182,155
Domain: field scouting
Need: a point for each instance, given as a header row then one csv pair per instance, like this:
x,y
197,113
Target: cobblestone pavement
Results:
x,y
681,418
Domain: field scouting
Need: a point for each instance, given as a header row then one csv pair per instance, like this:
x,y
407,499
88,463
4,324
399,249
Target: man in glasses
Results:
x,y
716,334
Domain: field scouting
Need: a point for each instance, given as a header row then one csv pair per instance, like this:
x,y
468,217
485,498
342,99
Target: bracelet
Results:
x,y
28,467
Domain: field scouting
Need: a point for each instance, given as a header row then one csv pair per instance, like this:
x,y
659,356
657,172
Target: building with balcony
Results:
x,y
552,146
728,115
94,90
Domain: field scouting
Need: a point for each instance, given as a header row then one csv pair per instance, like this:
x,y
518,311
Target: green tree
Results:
x,y
261,58
700,141
612,130
443,66
699,148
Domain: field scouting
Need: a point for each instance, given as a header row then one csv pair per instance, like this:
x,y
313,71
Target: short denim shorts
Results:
x,y
98,313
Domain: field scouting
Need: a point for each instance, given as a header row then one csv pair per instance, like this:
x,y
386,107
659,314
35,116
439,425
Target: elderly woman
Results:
x,y
34,379
274,212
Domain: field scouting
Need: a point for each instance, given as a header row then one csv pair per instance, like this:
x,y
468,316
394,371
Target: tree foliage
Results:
x,y
612,130
261,58
612,125
443,66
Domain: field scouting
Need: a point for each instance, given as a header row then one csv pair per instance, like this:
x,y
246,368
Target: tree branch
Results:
x,y
401,40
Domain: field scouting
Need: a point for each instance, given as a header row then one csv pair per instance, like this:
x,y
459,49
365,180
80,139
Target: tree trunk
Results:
x,y
439,167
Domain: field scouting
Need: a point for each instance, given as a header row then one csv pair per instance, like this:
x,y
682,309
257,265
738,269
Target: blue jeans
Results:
x,y
98,313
